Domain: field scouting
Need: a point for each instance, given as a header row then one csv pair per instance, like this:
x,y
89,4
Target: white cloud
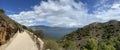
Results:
x,y
109,11
116,6
66,13
110,14
100,2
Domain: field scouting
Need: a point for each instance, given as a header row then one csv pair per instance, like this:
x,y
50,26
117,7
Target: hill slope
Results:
x,y
14,36
8,27
96,36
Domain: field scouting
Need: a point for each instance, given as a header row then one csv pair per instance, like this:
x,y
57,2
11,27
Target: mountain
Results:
x,y
96,36
56,32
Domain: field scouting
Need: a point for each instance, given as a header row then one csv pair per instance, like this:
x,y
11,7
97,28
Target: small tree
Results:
x,y
2,11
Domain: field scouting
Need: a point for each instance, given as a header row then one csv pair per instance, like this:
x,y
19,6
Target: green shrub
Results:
x,y
91,45
51,44
70,45
103,46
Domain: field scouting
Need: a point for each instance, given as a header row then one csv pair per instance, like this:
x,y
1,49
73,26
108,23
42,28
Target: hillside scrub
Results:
x,y
96,36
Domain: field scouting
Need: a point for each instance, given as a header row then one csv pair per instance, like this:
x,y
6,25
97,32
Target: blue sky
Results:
x,y
61,13
16,6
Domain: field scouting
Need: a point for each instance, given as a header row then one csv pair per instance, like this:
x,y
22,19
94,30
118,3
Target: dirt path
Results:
x,y
22,41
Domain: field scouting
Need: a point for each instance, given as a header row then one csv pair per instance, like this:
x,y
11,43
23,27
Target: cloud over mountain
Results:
x,y
68,13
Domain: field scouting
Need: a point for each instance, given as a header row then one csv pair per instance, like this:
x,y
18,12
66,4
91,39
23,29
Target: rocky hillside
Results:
x,y
8,27
96,36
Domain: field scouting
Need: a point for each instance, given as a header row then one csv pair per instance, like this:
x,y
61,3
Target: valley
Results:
x,y
53,32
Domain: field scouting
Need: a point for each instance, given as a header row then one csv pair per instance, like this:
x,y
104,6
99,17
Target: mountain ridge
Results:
x,y
96,34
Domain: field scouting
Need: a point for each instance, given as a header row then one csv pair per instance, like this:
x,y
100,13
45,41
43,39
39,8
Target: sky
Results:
x,y
61,13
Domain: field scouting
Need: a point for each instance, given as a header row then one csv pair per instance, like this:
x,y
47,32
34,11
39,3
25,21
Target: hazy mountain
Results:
x,y
96,36
56,32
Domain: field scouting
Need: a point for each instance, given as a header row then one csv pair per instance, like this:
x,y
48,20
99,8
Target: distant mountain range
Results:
x,y
55,32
